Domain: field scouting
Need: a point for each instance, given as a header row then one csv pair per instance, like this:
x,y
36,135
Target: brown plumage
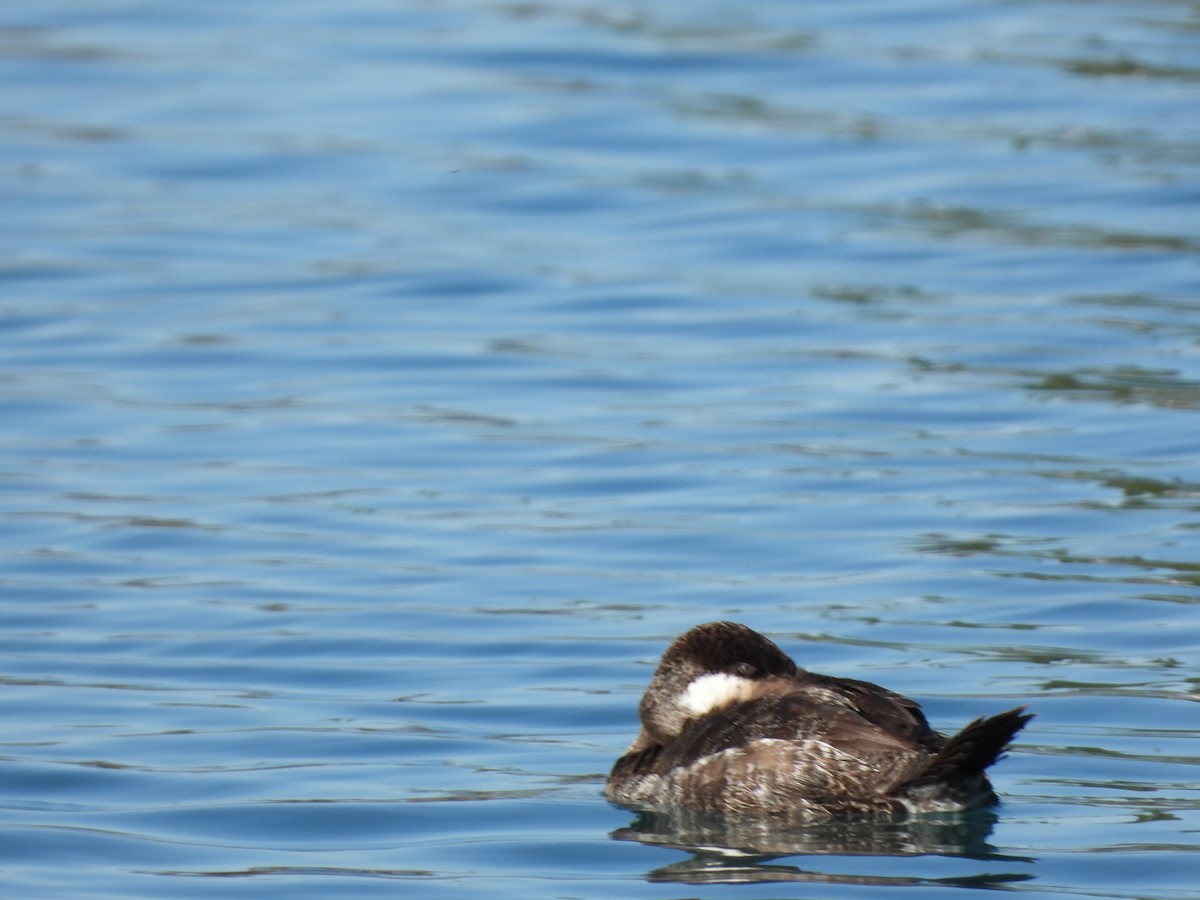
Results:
x,y
730,724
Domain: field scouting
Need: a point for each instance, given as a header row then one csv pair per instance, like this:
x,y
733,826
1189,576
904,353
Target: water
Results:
x,y
384,384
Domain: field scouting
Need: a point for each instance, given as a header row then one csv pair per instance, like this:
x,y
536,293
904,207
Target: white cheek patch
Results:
x,y
709,692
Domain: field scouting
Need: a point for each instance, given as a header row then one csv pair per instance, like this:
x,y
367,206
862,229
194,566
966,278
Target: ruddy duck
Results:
x,y
731,725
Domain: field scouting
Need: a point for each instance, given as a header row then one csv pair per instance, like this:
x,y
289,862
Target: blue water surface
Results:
x,y
385,383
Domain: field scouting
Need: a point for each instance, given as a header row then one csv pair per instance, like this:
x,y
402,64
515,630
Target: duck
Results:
x,y
731,725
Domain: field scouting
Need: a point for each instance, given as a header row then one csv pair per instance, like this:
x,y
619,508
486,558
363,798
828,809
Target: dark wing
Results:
x,y
891,712
795,717
784,751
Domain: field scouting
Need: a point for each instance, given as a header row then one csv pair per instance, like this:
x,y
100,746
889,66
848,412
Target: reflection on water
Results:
x,y
961,834
727,850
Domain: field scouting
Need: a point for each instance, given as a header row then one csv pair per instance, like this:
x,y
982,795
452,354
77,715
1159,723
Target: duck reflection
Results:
x,y
731,850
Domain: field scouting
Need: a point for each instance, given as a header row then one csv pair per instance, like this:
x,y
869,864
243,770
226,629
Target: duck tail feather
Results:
x,y
973,749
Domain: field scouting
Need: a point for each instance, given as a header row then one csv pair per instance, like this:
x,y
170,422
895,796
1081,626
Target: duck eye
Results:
x,y
746,670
